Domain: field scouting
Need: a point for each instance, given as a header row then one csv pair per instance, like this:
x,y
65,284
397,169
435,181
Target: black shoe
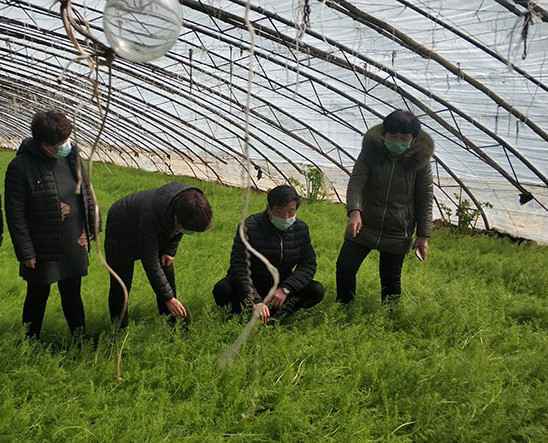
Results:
x,y
78,334
392,304
390,299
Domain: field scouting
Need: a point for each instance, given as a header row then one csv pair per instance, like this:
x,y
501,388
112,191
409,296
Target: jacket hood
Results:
x,y
416,157
28,146
163,201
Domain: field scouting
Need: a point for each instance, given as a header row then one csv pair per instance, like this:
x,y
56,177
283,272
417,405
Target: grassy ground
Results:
x,y
465,360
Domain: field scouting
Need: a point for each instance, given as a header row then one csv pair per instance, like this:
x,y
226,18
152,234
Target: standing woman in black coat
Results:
x,y
50,215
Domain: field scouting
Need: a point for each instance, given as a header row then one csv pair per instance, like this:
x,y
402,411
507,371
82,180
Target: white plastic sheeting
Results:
x,y
313,100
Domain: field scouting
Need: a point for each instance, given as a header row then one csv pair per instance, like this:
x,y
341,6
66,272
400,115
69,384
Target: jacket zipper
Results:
x,y
57,198
386,202
281,250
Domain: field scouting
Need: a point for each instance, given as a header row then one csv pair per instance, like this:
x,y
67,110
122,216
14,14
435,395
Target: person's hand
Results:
x,y
83,240
65,210
277,299
355,223
421,244
262,311
30,263
167,260
176,308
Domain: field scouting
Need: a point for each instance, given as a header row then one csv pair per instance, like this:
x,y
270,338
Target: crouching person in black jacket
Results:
x,y
50,221
285,241
148,226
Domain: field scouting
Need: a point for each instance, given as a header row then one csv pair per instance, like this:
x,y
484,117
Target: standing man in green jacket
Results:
x,y
389,198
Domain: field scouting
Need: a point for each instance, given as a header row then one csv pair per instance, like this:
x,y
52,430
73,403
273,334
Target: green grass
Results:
x,y
466,358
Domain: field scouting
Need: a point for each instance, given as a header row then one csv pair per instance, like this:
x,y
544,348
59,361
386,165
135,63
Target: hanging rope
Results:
x,y
233,351
525,33
303,12
95,54
303,23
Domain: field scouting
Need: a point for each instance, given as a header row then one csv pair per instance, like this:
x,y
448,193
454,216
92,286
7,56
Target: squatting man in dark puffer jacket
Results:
x,y
389,198
285,241
148,226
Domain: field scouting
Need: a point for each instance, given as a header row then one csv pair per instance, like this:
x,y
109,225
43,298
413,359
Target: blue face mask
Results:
x,y
283,224
397,148
64,150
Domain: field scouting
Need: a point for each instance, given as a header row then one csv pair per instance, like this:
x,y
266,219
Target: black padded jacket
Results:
x,y
33,210
141,226
290,251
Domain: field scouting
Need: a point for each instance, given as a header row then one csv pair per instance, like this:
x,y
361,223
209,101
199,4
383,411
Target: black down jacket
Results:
x,y
33,210
142,226
290,251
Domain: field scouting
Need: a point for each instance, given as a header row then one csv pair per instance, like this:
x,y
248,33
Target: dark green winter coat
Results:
x,y
393,193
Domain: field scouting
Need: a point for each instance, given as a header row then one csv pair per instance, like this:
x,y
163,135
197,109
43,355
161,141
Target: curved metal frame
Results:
x,y
209,102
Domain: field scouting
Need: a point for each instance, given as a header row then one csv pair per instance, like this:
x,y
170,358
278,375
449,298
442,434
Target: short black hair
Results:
x,y
402,122
282,195
192,210
50,127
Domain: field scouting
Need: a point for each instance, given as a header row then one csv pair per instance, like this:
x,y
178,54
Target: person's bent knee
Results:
x,y
391,290
222,292
317,291
312,295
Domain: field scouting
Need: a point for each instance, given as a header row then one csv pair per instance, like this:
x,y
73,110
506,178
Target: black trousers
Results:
x,y
228,294
124,268
349,261
36,300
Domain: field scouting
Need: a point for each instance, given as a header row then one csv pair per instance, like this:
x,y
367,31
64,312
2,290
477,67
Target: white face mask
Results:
x,y
283,224
64,150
